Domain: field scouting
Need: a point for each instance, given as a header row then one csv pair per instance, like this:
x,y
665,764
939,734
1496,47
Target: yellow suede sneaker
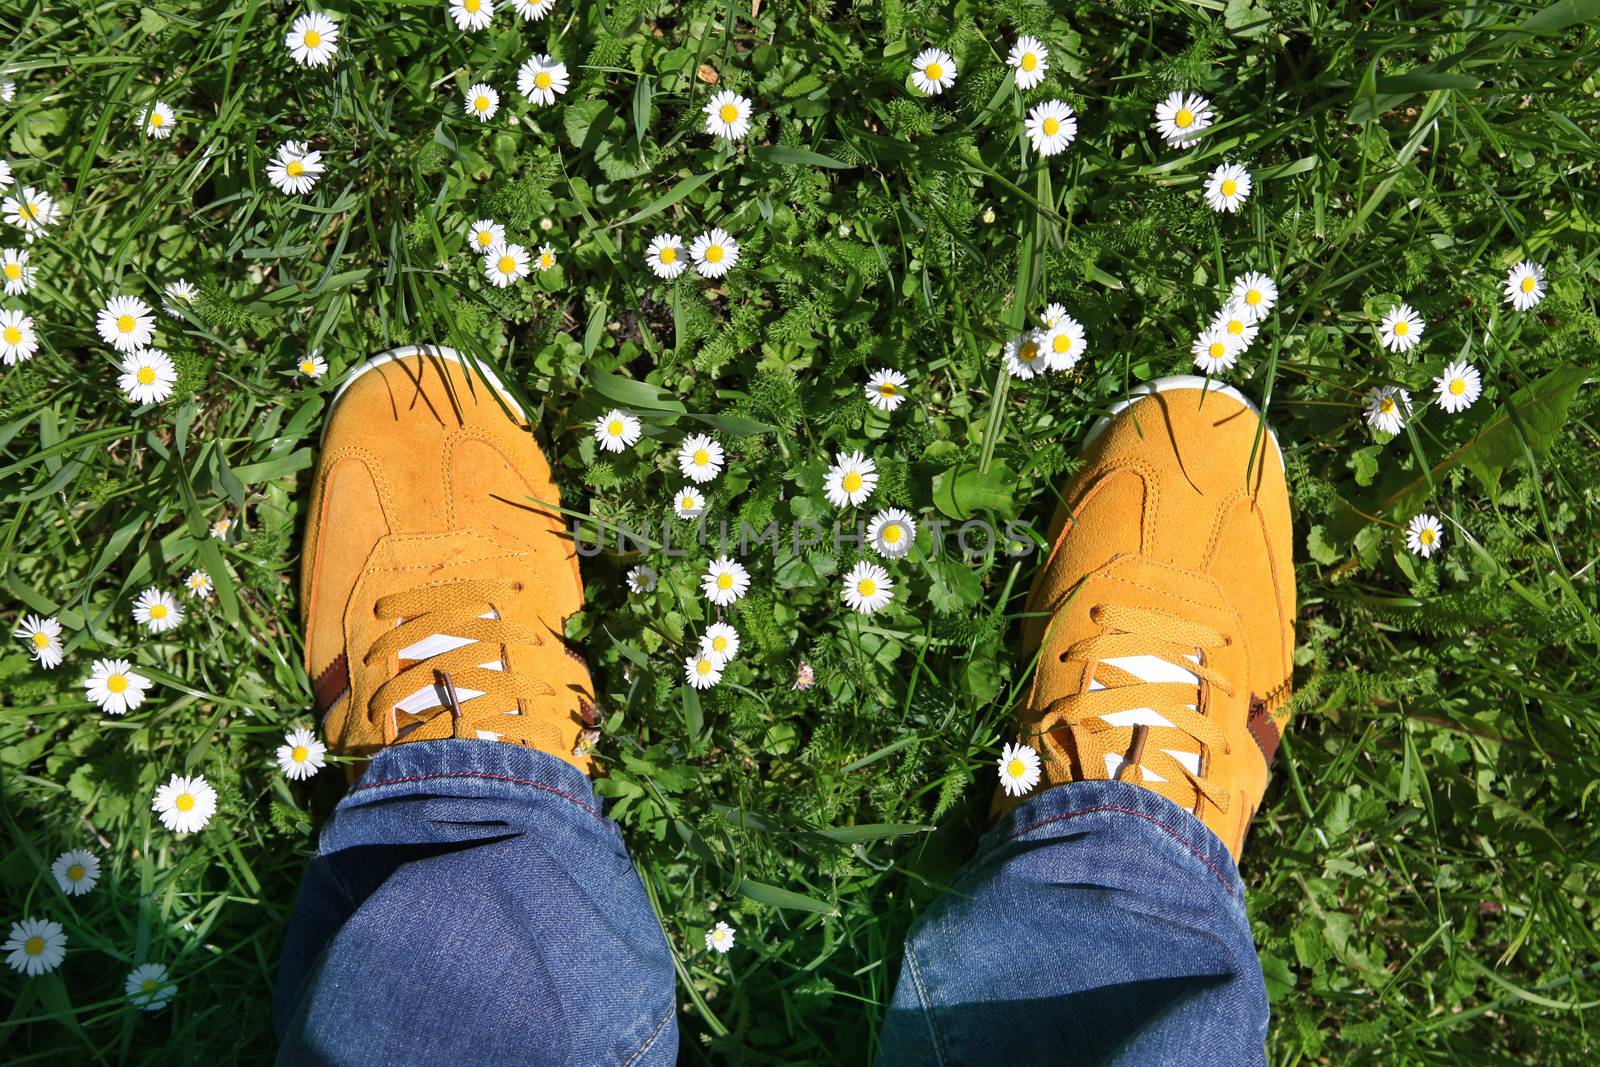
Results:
x,y
437,576
1165,611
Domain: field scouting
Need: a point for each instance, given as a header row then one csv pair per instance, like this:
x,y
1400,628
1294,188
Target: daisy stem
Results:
x,y
1027,277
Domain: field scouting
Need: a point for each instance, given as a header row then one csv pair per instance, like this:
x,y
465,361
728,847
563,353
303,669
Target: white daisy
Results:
x,y
1019,769
35,946
313,39
703,669
43,635
724,581
198,584
728,115
179,294
542,79
1181,117
1238,322
126,323
18,341
157,610
1458,387
486,234
220,528
892,533
29,210
1424,535
665,255
295,169
1023,356
1050,127
700,458
1214,350
851,479
301,755
505,264
185,804
617,430
148,987
546,260
8,90
19,277
933,71
482,102
867,588
147,376
720,639
886,389
115,686
642,579
312,366
472,15
158,120
1029,59
1387,408
689,503
719,938
1228,187
5,173
1062,344
1401,329
1052,314
714,253
532,10
76,871
1525,285
1256,291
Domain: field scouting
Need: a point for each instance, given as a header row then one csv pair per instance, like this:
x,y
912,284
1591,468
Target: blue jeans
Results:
x,y
470,904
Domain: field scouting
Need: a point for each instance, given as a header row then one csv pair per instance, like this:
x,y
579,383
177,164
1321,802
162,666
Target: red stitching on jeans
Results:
x,y
479,774
1132,811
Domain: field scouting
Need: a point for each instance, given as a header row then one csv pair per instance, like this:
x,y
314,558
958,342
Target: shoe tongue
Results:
x,y
1148,669
432,696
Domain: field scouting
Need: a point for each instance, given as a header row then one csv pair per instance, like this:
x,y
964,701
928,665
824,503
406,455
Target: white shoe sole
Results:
x,y
434,351
1176,383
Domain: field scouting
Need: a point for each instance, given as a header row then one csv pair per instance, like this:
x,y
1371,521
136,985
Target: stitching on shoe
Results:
x,y
478,774
651,1040
1176,834
927,1003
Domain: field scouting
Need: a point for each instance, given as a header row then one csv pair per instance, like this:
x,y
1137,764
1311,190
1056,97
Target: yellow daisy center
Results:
x,y
1062,344
13,271
34,946
852,482
125,323
1028,352
1235,327
307,367
892,533
724,581
313,38
1016,768
719,643
933,72
1183,119
669,255
714,254
1386,405
157,119
1426,537
299,753
158,611
485,238
149,985
542,79
145,375
1253,297
1051,127
1457,386
704,666
13,335
1528,283
185,802
614,427
507,265
41,640
866,587
295,168
472,6
1230,187
701,457
1030,62
117,683
886,389
688,503
728,112
481,103
1402,328
1217,349
76,872
546,260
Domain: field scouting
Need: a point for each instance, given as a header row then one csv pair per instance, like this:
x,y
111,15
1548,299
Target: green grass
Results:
x,y
1422,872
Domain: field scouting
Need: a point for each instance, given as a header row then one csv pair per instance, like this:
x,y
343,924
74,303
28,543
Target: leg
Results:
x,y
1114,923
470,904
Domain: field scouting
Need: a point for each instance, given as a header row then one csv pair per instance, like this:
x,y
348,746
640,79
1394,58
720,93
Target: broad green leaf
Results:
x,y
778,897
963,491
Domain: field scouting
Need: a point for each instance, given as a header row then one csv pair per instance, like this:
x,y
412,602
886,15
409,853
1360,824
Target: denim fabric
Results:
x,y
1099,923
470,904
